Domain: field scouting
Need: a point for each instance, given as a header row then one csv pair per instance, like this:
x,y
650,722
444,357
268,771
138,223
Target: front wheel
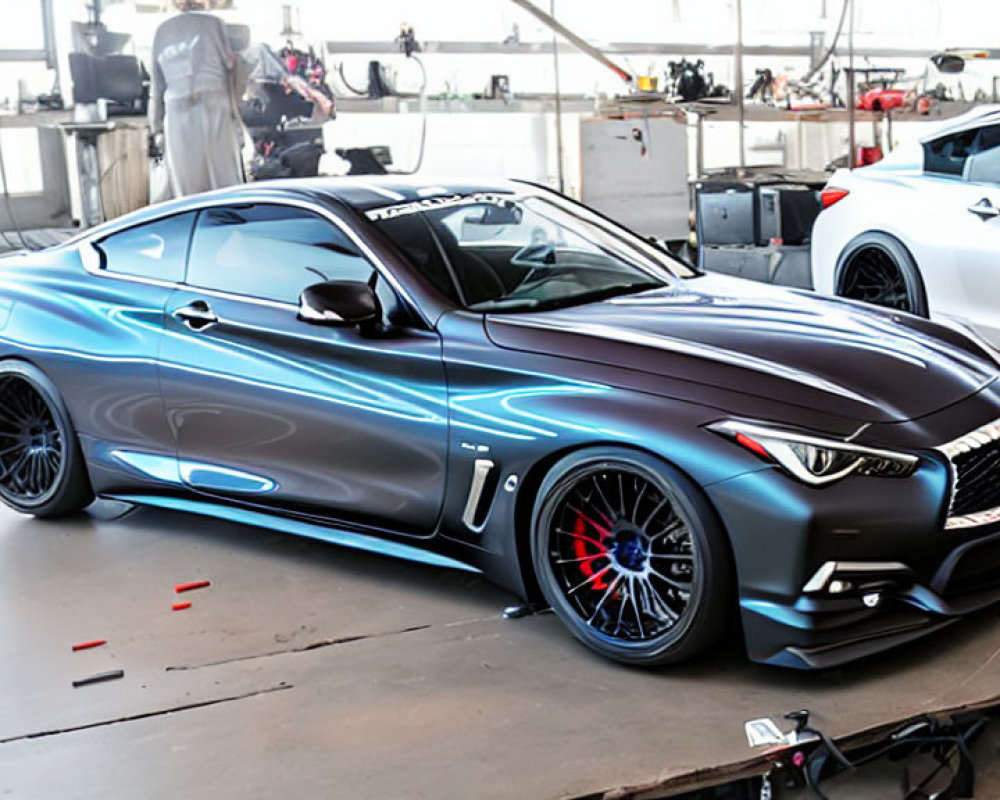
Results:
x,y
630,557
41,467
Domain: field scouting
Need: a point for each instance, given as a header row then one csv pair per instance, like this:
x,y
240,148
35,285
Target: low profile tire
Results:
x,y
877,268
41,467
630,556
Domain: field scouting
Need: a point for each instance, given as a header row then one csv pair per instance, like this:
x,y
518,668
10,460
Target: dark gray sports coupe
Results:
x,y
499,378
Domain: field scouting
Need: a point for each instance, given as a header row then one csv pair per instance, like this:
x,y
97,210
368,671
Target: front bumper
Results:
x,y
867,607
830,575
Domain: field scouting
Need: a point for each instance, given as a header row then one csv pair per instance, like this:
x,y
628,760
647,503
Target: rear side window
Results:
x,y
947,155
155,250
270,252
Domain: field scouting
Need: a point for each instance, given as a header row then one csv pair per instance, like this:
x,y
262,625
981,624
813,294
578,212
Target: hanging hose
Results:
x,y
340,71
408,46
833,46
423,124
10,208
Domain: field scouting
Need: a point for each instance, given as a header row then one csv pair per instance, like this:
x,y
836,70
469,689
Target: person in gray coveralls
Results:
x,y
194,101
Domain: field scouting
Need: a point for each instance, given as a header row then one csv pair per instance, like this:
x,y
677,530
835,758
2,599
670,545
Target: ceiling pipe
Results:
x,y
571,37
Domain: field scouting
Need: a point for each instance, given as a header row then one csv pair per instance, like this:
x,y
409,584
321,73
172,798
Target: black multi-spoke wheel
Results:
x,y
621,554
878,269
32,451
873,277
629,556
41,470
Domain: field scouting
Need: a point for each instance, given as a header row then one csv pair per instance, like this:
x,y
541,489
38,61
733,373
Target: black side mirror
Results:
x,y
948,63
339,303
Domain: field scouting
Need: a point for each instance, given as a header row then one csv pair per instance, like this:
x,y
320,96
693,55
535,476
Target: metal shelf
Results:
x,y
522,104
729,112
613,48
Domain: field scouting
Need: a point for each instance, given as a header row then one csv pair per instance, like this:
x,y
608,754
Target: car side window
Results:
x,y
989,138
154,250
271,252
947,155
411,234
983,166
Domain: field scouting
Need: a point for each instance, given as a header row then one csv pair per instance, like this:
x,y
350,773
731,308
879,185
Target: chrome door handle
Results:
x,y
984,209
197,316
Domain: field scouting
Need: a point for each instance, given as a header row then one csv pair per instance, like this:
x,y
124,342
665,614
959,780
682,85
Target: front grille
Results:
x,y
977,476
975,460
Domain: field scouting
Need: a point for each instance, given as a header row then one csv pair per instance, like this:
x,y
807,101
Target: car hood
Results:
x,y
793,347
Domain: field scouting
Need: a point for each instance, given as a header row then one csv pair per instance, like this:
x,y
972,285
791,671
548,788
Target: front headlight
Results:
x,y
814,460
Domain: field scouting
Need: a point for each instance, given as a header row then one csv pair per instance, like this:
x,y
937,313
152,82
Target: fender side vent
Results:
x,y
481,494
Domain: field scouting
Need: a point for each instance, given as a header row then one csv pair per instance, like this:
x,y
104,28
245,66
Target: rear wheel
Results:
x,y
41,467
876,268
630,557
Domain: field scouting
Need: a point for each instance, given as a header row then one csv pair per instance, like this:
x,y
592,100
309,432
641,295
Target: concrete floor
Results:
x,y
307,670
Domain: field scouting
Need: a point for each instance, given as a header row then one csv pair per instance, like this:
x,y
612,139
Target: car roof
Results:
x,y
977,117
361,192
365,192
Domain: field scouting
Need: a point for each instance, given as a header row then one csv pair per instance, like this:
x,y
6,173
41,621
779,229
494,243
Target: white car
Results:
x,y
920,230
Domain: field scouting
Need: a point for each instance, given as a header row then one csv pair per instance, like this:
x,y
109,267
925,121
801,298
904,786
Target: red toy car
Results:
x,y
882,99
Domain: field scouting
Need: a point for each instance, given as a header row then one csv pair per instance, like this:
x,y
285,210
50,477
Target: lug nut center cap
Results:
x,y
630,549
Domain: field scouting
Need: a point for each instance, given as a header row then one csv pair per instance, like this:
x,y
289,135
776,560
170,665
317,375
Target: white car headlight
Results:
x,y
812,459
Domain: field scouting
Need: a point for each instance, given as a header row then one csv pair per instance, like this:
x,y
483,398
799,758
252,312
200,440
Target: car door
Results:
x,y
111,383
965,214
268,409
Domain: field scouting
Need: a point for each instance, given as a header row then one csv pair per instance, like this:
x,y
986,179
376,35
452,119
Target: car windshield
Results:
x,y
504,253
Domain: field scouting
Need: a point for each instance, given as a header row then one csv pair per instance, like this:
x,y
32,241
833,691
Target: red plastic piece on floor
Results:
x,y
187,587
88,645
180,606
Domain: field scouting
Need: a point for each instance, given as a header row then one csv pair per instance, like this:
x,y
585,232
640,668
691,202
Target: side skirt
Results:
x,y
357,541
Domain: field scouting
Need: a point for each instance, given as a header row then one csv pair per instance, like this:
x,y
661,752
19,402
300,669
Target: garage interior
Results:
x,y
147,652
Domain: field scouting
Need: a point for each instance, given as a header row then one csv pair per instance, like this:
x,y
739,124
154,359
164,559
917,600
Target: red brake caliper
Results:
x,y
582,548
